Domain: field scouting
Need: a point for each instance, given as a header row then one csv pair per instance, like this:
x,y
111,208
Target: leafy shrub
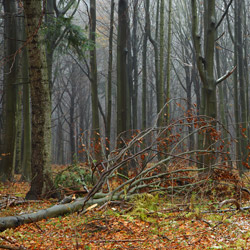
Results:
x,y
73,177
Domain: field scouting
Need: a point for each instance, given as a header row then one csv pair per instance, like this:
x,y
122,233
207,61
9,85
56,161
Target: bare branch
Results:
x,y
228,73
224,14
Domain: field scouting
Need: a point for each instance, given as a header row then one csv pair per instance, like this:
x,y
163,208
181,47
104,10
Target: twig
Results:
x,y
11,242
132,240
11,248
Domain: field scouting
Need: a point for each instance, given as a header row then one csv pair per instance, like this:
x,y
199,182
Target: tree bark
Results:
x,y
169,59
205,67
40,99
135,65
161,87
109,84
122,80
94,83
242,89
10,89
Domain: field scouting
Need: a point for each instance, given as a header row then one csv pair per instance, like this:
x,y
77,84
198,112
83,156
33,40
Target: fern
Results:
x,y
144,206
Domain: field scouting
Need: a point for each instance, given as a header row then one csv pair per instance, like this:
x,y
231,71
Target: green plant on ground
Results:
x,y
74,177
145,206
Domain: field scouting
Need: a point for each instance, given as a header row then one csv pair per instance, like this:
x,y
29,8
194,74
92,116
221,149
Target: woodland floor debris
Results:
x,y
141,227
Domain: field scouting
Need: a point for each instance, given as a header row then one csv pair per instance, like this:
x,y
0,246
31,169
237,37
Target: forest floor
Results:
x,y
146,223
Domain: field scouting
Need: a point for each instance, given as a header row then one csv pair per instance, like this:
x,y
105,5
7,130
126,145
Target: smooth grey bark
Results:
x,y
52,212
205,67
154,43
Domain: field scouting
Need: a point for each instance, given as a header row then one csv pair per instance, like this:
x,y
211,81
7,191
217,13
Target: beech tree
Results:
x,y
205,65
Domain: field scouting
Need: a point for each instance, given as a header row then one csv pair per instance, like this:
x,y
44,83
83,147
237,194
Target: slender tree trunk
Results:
x,y
160,92
26,162
18,165
169,58
26,159
60,138
10,89
242,89
94,84
130,82
109,84
122,81
72,127
221,95
246,69
144,71
135,65
122,67
155,46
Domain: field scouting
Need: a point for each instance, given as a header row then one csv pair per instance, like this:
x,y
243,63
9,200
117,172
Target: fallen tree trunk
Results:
x,y
52,212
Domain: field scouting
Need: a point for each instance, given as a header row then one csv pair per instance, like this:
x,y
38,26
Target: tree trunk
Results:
x,y
135,65
94,84
169,58
40,99
205,67
26,162
109,84
160,92
122,81
26,159
10,89
144,71
242,89
246,69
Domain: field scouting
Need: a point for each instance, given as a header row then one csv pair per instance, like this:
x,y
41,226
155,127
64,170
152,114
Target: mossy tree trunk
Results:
x,y
40,99
10,89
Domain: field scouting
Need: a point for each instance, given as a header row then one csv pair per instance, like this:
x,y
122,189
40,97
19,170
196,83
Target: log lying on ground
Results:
x,y
54,211
231,201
